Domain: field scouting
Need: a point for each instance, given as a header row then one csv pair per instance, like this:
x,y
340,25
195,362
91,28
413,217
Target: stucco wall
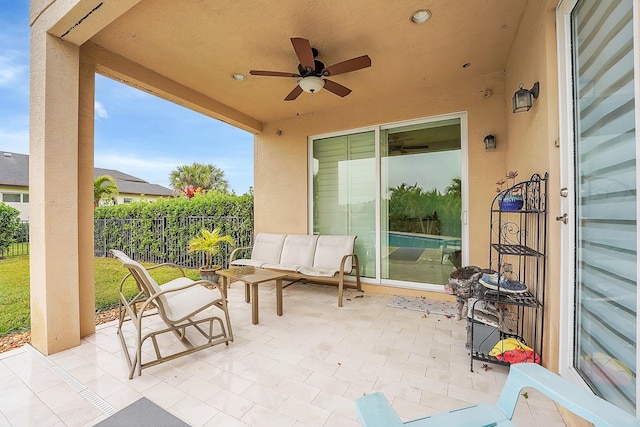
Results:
x,y
281,160
526,142
532,140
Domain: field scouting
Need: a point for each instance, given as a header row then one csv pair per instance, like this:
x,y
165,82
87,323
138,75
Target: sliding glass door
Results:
x,y
421,201
399,189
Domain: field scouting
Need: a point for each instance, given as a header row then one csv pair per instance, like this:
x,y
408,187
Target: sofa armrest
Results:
x,y
237,250
354,264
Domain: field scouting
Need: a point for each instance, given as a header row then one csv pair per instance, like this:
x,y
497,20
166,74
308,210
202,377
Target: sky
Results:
x,y
135,132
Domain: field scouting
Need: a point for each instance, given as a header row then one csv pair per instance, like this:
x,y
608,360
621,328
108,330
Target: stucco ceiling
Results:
x,y
200,44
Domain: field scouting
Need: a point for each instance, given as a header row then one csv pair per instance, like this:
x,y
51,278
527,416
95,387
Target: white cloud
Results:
x,y
12,71
99,110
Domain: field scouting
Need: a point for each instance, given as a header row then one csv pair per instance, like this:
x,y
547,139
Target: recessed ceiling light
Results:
x,y
239,77
420,16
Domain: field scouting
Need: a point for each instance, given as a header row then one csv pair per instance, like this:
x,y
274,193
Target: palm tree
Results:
x,y
208,242
188,179
455,188
104,187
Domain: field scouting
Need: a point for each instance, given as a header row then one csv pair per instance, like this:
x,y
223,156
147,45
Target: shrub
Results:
x,y
162,230
9,225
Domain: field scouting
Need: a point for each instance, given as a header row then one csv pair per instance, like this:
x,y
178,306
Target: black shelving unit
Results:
x,y
518,251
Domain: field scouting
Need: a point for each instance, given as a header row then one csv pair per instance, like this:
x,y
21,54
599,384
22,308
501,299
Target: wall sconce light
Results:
x,y
523,98
490,142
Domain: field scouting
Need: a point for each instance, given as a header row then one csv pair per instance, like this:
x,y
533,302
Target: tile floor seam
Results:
x,y
80,388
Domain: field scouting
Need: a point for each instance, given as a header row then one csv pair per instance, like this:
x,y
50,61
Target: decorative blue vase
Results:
x,y
511,202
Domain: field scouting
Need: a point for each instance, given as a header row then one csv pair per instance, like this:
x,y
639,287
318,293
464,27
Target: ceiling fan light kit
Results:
x,y
311,84
312,73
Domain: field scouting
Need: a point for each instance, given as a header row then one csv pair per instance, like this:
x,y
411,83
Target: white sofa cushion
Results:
x,y
268,247
298,250
282,267
329,253
319,272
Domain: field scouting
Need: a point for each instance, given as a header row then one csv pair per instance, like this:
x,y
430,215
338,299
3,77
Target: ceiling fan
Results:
x,y
312,73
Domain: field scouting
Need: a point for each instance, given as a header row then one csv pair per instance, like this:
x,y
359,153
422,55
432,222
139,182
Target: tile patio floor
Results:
x,y
302,369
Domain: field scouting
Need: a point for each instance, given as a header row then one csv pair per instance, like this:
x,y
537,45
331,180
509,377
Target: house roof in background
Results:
x,y
14,171
129,184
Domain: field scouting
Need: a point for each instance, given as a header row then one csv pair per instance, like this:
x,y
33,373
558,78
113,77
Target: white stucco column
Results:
x,y
85,195
53,193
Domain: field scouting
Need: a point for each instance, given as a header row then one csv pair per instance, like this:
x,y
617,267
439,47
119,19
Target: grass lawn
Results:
x,y
14,288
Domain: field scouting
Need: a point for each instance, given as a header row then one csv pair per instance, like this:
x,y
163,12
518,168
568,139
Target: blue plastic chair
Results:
x,y
374,410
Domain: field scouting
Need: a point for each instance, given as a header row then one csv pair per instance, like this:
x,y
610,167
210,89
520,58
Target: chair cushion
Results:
x,y
252,262
320,272
176,283
188,302
330,250
280,267
298,250
268,247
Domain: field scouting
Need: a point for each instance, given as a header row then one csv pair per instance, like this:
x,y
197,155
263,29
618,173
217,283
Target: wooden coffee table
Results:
x,y
252,277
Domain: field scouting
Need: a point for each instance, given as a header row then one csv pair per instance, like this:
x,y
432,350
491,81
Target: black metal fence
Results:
x,y
162,240
21,244
155,240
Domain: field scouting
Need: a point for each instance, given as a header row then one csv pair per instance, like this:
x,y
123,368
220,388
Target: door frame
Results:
x,y
464,169
567,174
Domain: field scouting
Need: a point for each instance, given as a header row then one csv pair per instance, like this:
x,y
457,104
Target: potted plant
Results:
x,y
208,242
512,199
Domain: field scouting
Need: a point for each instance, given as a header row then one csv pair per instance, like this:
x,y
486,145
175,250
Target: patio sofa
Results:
x,y
314,258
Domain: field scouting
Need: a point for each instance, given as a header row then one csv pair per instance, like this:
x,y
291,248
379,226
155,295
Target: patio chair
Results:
x,y
183,304
374,409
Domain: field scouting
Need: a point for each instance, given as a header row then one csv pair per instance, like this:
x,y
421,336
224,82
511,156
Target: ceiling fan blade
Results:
x,y
294,93
304,53
272,73
336,88
352,64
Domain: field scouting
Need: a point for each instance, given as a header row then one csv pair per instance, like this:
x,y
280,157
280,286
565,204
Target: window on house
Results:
x,y
344,192
11,197
25,197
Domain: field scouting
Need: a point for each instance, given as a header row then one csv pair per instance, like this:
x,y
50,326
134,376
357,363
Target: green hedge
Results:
x,y
9,226
160,231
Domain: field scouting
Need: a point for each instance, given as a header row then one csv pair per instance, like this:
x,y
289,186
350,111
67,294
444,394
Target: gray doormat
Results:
x,y
142,413
406,254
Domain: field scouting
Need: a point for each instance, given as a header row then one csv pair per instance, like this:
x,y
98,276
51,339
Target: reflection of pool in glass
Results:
x,y
414,241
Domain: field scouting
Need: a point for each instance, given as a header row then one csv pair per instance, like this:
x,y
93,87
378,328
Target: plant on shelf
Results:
x,y
511,198
208,242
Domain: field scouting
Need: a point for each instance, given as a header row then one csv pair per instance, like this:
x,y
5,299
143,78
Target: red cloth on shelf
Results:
x,y
519,356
